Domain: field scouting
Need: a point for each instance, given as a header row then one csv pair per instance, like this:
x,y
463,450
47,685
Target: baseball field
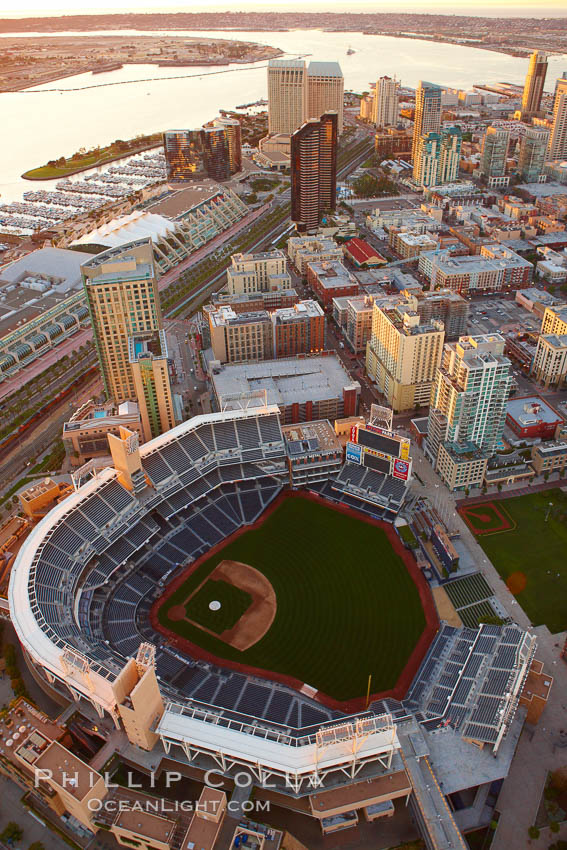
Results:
x,y
312,594
526,539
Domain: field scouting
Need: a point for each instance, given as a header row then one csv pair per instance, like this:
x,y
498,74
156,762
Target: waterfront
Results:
x,y
53,121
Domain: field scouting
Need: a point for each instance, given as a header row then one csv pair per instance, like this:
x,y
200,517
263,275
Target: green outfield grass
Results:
x,y
347,606
233,600
538,549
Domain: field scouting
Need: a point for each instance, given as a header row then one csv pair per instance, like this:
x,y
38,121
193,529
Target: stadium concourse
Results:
x,y
84,582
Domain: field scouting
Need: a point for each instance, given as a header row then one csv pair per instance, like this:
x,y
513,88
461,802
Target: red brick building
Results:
x,y
330,279
299,329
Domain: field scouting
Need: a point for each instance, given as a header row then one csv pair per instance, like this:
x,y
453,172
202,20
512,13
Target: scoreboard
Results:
x,y
381,450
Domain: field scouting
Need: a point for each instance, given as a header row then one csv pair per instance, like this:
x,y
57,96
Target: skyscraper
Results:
x,y
437,157
468,407
297,93
313,171
427,115
184,154
535,81
234,139
287,95
123,301
325,91
557,148
217,154
494,152
385,106
533,148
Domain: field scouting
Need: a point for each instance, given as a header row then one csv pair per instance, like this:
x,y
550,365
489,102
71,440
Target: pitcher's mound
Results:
x,y
516,582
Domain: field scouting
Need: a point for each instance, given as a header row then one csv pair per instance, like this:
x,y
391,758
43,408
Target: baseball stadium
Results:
x,y
235,596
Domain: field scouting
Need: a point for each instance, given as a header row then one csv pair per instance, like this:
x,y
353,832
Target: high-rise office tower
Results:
x,y
184,154
437,157
427,113
385,107
287,95
535,81
494,152
123,301
149,363
234,139
533,149
557,148
468,403
313,171
325,91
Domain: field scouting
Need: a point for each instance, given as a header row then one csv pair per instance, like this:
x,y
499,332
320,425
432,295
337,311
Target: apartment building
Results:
x,y
408,244
443,306
299,329
85,434
493,156
403,354
532,155
331,279
468,408
385,106
557,146
240,337
427,117
437,157
265,271
248,302
303,250
497,269
535,81
549,365
314,171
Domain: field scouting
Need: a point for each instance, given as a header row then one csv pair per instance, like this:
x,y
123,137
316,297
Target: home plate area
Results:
x,y
236,603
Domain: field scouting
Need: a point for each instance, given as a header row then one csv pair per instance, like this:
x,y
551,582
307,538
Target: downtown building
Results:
x,y
303,250
213,151
468,408
427,119
532,155
549,365
496,269
493,156
313,171
298,93
123,301
533,88
403,354
260,335
265,271
437,157
557,147
385,105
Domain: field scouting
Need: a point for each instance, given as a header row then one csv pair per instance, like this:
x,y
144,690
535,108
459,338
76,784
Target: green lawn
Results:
x,y
234,603
347,607
539,550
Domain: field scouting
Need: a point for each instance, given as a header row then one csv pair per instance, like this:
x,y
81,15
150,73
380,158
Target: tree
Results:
x,y
554,826
533,832
37,845
12,832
